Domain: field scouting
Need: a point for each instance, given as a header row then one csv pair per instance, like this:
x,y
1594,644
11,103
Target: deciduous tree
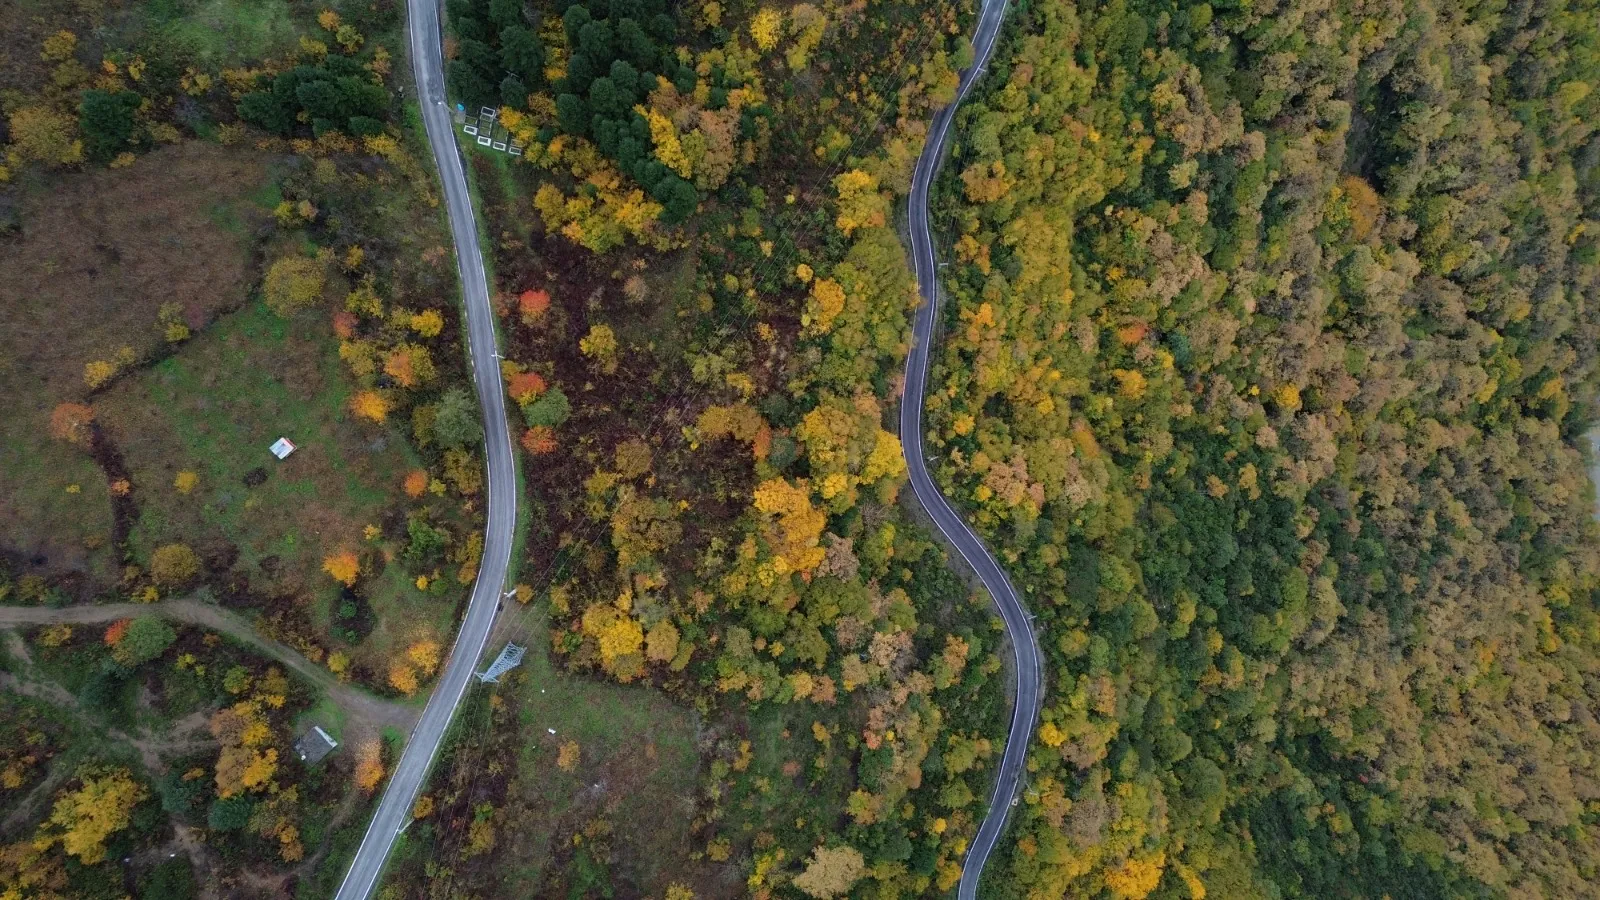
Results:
x,y
343,566
102,805
831,872
174,565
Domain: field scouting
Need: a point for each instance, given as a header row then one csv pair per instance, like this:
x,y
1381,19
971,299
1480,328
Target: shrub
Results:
x,y
294,283
550,410
174,565
145,638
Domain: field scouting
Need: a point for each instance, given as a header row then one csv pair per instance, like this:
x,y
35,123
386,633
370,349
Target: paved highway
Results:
x,y
394,810
1024,645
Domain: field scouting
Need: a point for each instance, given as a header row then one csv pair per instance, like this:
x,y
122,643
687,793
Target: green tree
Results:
x,y
455,422
551,409
230,814
106,120
146,638
171,879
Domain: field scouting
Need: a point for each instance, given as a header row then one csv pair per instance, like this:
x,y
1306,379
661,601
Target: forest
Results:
x,y
1267,358
711,479
1269,354
1271,350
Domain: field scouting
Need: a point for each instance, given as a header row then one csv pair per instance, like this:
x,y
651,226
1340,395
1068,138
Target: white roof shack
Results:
x,y
282,447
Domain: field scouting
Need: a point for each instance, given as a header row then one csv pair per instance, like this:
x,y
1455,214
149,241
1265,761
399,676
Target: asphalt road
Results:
x,y
1024,644
394,810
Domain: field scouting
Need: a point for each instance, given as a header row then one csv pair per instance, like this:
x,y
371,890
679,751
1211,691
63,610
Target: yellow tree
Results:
x,y
46,136
369,766
861,204
344,567
82,819
402,677
793,526
831,872
370,405
245,763
823,306
293,283
766,27
174,565
424,654
619,637
1137,877
661,643
567,757
600,345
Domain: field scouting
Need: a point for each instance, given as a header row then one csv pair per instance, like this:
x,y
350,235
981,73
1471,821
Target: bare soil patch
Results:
x,y
99,254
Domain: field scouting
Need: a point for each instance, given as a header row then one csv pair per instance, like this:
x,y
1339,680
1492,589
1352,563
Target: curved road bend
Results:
x,y
394,810
1024,644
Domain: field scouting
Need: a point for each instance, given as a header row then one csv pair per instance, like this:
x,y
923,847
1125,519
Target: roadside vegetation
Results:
x,y
777,682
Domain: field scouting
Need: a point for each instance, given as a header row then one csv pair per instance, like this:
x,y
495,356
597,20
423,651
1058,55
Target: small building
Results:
x,y
314,745
282,447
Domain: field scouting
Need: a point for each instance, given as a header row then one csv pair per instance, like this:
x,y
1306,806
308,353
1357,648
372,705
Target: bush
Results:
x,y
455,420
550,410
174,565
146,638
294,283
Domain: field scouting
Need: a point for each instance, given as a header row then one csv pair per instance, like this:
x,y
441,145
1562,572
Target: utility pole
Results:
x,y
509,659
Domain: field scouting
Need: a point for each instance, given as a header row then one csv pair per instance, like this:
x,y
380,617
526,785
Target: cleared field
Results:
x,y
213,410
99,255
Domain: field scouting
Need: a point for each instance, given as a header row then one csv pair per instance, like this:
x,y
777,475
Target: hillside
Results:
x,y
1272,349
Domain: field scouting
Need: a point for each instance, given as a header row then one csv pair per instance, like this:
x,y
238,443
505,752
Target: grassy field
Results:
x,y
214,32
100,263
637,767
214,409
99,256
636,773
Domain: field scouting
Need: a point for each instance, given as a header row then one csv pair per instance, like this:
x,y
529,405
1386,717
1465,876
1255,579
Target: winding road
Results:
x,y
394,810
1024,644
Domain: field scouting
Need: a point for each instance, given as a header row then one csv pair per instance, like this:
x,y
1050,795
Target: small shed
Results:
x,y
314,745
282,447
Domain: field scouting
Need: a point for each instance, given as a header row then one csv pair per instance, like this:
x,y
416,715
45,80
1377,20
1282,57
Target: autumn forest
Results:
x,y
1267,358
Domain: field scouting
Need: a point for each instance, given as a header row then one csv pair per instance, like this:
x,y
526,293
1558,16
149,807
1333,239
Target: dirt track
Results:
x,y
374,712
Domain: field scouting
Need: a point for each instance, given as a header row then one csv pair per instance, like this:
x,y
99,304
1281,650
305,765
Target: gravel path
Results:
x,y
375,713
